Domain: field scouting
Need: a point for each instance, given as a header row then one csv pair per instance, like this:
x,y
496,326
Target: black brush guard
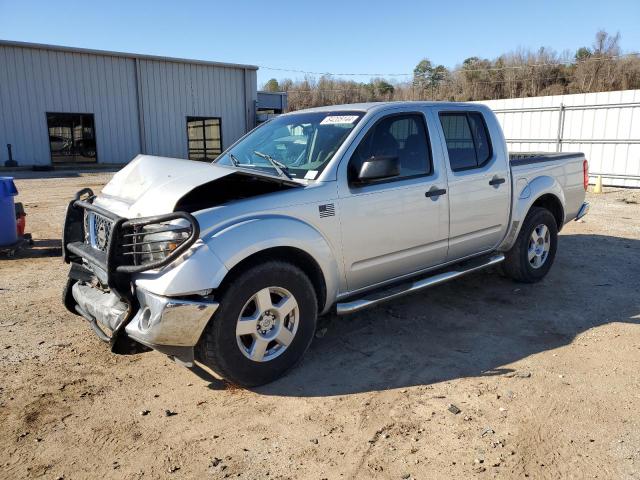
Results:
x,y
114,266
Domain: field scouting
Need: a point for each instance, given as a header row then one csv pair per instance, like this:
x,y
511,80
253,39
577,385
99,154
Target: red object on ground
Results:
x,y
20,224
20,219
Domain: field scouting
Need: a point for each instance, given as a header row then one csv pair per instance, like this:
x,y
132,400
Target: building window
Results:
x,y
204,135
72,137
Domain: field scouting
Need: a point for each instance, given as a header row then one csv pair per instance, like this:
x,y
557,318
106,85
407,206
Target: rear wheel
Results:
x,y
265,323
534,251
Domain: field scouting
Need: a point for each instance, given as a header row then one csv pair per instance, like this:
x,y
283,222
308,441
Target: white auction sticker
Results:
x,y
311,175
335,119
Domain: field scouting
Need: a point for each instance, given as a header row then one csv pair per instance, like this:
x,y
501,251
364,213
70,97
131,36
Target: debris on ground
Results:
x,y
520,374
453,409
487,431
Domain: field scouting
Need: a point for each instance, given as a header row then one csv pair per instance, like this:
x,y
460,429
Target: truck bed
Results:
x,y
565,168
527,158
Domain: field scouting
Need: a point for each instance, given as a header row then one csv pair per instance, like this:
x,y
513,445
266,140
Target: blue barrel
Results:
x,y
8,230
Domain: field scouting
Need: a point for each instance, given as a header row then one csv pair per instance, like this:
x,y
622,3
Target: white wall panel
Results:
x,y
609,136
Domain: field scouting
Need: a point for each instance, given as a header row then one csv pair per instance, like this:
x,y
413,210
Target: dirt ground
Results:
x,y
546,376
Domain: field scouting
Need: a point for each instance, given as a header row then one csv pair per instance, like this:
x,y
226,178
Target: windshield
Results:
x,y
298,145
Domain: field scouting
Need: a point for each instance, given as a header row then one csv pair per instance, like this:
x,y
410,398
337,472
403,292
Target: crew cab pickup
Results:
x,y
327,210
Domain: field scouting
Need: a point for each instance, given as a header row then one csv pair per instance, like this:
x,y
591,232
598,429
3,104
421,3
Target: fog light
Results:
x,y
144,318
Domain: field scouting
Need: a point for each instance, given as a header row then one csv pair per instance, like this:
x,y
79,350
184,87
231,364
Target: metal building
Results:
x,y
270,104
61,105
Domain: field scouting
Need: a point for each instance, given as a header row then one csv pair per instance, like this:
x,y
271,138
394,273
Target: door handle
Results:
x,y
495,181
435,192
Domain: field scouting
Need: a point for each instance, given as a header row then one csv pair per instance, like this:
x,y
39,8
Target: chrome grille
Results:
x,y
97,230
87,238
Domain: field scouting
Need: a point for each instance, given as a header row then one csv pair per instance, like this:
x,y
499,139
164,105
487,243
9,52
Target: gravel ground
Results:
x,y
478,378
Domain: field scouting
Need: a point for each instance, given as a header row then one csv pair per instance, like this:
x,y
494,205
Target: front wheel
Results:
x,y
533,252
265,323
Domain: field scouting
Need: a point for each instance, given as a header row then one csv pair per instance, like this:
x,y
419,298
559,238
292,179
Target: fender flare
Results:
x,y
237,241
524,196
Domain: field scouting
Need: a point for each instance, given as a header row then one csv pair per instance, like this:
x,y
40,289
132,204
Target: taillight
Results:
x,y
585,171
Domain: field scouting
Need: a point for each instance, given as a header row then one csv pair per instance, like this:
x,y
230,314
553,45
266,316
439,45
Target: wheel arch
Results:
x,y
293,255
282,237
543,191
552,203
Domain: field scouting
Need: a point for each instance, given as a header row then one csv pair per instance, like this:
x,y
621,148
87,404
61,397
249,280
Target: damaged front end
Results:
x,y
105,250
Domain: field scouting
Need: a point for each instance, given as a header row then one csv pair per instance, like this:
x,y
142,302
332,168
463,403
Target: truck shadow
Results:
x,y
472,327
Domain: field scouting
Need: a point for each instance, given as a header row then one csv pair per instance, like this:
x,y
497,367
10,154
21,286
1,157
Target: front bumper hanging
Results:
x,y
100,287
169,325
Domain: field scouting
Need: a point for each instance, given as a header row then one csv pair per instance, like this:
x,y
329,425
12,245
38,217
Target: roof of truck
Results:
x,y
370,106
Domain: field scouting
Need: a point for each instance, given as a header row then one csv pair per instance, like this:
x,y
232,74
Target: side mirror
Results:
x,y
376,168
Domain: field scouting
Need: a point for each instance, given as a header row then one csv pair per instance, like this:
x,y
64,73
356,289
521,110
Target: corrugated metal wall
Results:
x,y
172,91
605,126
34,81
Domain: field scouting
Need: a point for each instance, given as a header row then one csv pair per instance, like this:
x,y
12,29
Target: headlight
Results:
x,y
155,242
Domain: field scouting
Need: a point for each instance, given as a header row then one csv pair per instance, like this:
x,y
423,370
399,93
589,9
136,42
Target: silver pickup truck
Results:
x,y
331,209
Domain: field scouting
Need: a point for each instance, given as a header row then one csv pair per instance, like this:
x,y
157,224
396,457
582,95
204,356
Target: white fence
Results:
x,y
605,126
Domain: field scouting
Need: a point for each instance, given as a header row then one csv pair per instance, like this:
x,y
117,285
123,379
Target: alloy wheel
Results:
x,y
539,246
267,324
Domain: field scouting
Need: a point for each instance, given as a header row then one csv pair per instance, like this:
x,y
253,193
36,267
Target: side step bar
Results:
x,y
378,296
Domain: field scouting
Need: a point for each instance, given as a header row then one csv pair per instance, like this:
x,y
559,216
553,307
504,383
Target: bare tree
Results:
x,y
522,73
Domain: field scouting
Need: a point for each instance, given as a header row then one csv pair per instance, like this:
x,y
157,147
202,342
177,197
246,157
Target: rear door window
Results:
x,y
480,136
467,139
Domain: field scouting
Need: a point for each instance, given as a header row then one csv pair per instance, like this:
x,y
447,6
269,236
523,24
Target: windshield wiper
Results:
x,y
234,160
280,167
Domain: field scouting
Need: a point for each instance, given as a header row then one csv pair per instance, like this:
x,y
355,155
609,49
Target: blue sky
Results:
x,y
322,36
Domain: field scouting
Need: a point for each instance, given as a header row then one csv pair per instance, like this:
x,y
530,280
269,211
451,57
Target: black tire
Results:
x,y
517,265
218,347
67,296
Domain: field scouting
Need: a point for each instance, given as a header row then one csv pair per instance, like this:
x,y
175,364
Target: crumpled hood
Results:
x,y
151,185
